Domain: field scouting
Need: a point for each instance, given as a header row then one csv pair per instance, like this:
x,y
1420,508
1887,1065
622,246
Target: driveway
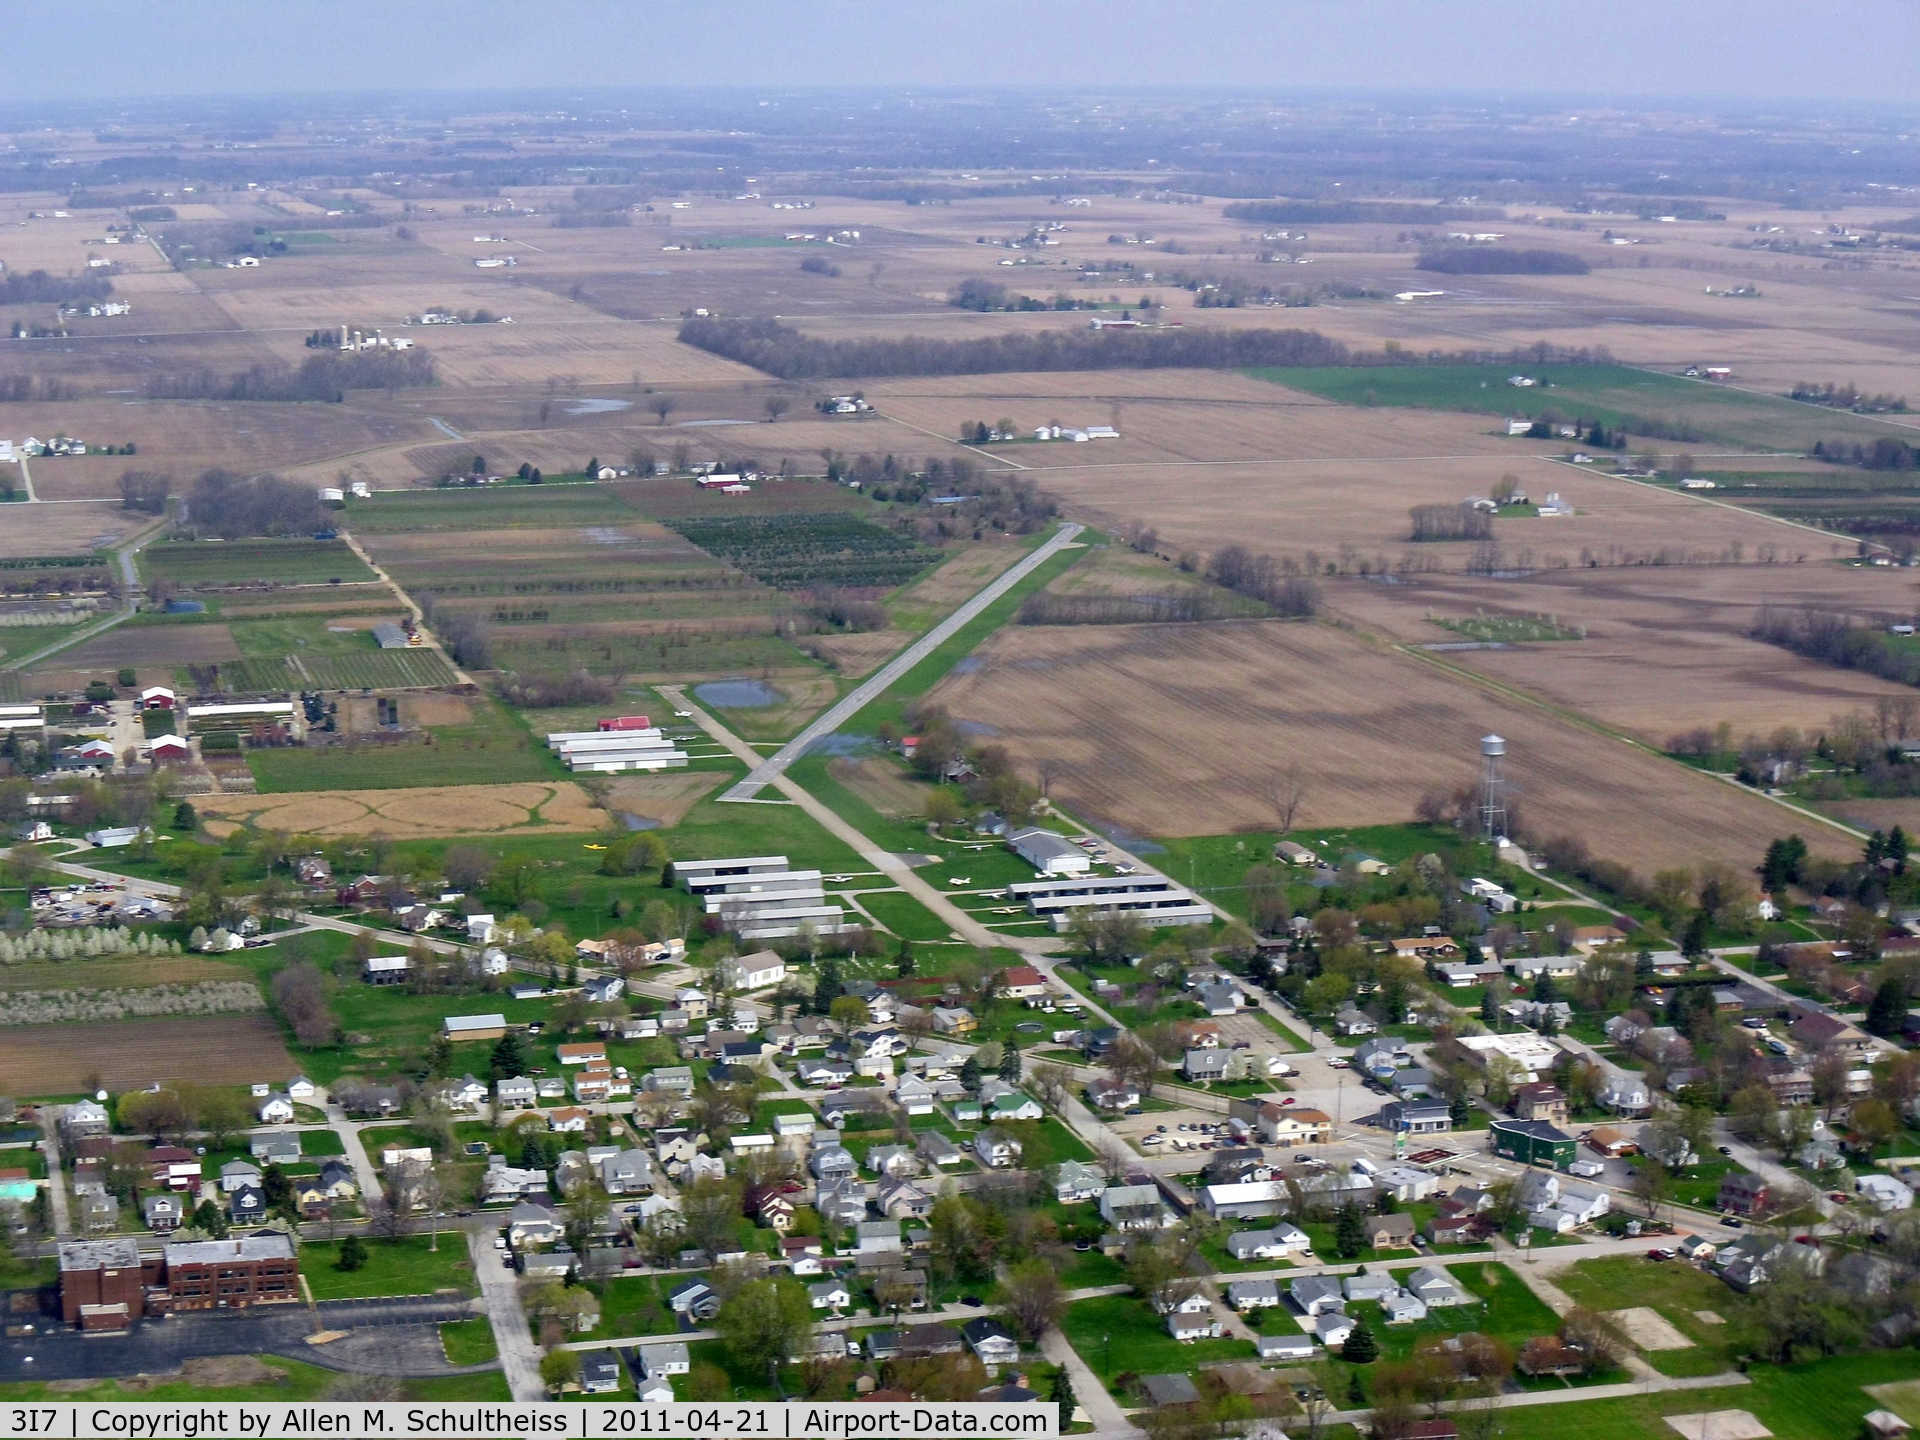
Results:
x,y
499,1293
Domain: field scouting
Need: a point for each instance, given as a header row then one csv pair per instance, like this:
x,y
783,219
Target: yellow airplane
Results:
x,y
593,847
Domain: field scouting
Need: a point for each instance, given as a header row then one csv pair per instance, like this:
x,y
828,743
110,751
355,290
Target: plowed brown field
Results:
x,y
1172,729
127,1054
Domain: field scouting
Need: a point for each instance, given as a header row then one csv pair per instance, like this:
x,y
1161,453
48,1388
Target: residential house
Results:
x,y
1375,1286
164,1211
1332,1328
1400,1308
1350,1020
1278,1242
276,1109
996,1150
694,1299
1435,1287
936,1149
1187,1328
1132,1207
1390,1232
1206,1065
990,1342
1284,1347
1316,1294
1075,1182
1744,1193
900,1199
515,1092
1540,1100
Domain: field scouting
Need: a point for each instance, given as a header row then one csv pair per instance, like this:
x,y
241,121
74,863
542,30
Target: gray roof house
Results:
x,y
1316,1294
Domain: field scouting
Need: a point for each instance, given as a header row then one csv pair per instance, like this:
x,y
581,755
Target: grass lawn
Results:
x,y
1120,1335
744,1382
634,1305
1676,1290
406,1266
1268,1019
905,916
1821,1400
491,750
469,1342
1045,1142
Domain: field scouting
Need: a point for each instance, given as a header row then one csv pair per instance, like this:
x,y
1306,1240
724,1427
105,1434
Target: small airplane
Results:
x,y
591,846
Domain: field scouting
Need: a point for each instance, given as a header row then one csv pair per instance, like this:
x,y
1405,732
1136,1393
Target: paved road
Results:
x,y
766,770
889,864
499,1293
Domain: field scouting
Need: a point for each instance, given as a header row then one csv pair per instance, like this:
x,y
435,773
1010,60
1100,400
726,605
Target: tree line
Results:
x,y
463,635
1449,522
1836,640
1842,395
40,287
782,351
1886,453
1261,577
1340,212
230,506
325,376
1491,260
1161,606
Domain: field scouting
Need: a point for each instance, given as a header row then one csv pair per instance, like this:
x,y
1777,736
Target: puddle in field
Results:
x,y
595,405
838,745
630,821
737,694
709,424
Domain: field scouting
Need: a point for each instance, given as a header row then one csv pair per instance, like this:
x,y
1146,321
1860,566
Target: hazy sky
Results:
x,y
1861,49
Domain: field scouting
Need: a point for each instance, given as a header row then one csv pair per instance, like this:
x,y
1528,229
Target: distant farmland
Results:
x,y
358,670
196,563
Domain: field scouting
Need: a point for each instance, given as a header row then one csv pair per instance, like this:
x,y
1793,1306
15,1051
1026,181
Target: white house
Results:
x,y
275,1110
759,971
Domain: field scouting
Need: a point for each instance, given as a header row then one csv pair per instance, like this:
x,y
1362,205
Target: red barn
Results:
x,y
625,722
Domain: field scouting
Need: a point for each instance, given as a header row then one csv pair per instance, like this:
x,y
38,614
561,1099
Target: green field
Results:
x,y
1509,629
469,1342
1120,1335
489,509
493,750
1644,402
360,670
806,550
241,562
407,1266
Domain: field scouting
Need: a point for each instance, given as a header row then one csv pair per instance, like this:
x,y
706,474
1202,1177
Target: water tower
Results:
x,y
1493,803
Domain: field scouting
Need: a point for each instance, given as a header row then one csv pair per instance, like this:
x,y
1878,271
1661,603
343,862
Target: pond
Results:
x,y
596,405
737,694
630,821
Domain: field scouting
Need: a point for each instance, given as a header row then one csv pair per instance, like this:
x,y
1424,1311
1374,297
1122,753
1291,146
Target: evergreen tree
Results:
x,y
1361,1348
1349,1233
1897,847
1356,1391
903,961
185,817
1489,1011
1542,986
208,1219
509,1057
1460,1111
970,1074
1888,1008
1062,1395
353,1254
1693,940
278,1188
1876,848
1010,1063
829,986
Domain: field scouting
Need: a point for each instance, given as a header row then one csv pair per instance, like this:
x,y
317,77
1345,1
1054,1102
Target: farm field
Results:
x,y
127,1055
1161,729
1684,629
32,530
1644,401
357,670
415,813
485,747
791,552
253,562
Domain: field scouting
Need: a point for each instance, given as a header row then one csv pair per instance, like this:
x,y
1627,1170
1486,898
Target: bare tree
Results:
x,y
776,406
1287,790
662,406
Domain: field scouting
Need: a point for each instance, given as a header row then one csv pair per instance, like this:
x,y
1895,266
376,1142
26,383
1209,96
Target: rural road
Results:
x,y
130,581
856,700
419,616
